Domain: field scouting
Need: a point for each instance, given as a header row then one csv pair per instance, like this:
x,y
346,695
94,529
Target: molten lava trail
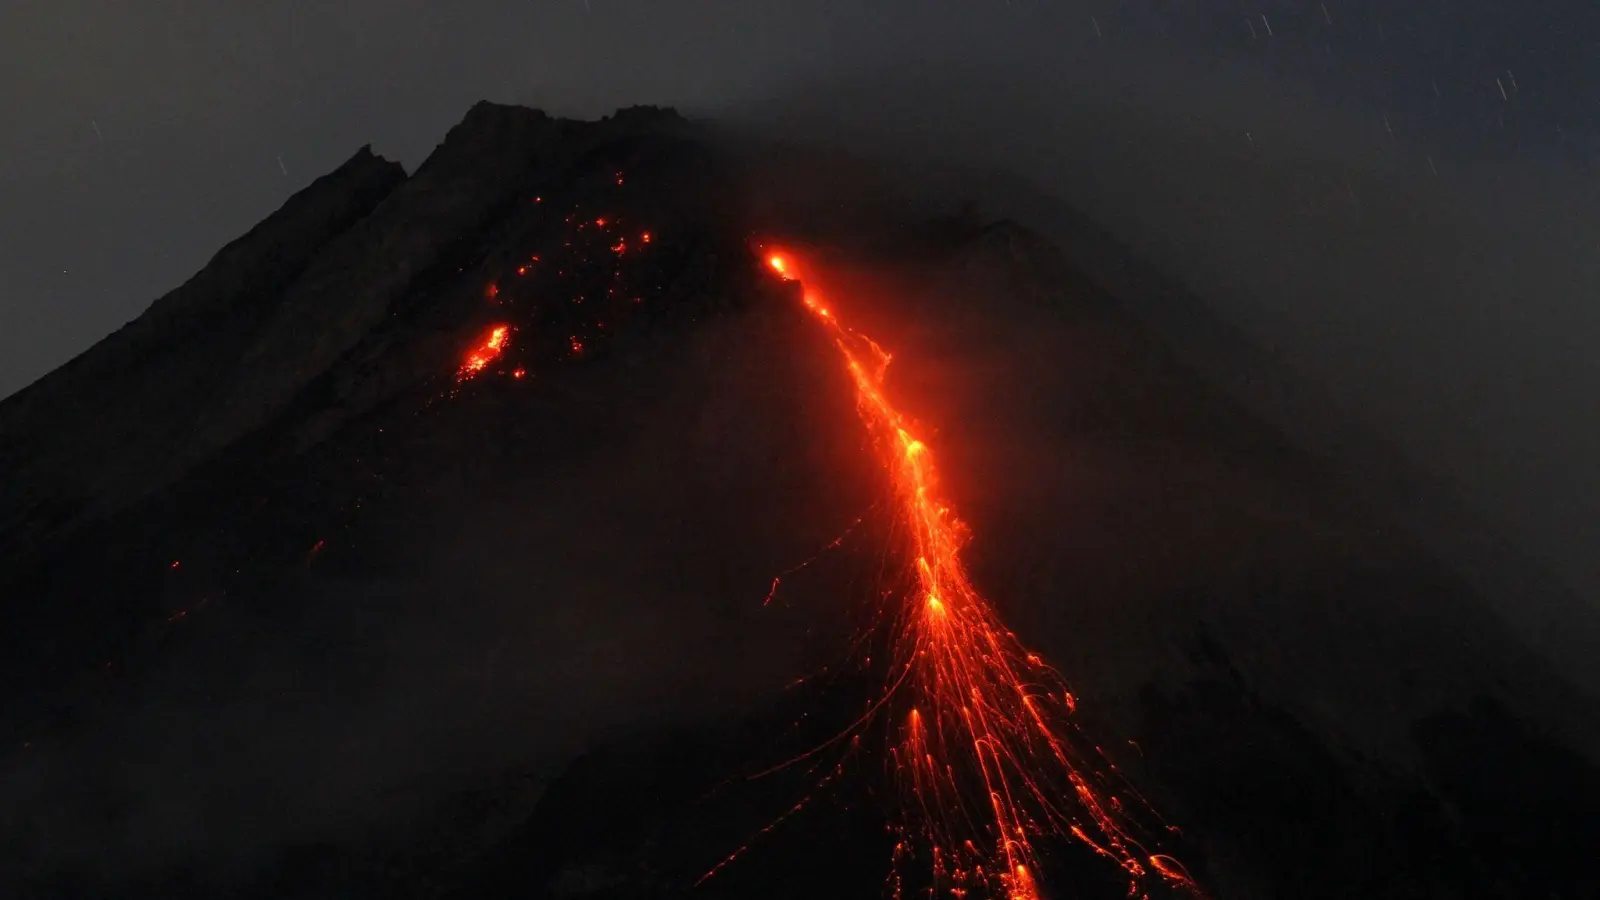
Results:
x,y
982,741
479,357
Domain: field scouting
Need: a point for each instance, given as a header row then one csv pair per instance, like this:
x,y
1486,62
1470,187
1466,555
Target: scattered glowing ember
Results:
x,y
982,741
480,356
519,373
645,237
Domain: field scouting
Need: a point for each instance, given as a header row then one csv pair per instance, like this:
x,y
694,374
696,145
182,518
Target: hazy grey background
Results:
x,y
1400,203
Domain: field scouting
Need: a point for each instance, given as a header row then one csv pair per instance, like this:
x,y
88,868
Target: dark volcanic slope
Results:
x,y
294,610
119,420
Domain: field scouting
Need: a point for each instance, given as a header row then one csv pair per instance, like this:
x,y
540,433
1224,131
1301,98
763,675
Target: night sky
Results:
x,y
1398,199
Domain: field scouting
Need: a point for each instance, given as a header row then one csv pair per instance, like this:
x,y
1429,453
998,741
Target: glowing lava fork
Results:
x,y
983,749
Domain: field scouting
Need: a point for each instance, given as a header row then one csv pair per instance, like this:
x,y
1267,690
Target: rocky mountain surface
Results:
x,y
422,545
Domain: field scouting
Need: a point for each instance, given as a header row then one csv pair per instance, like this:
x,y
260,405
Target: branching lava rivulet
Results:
x,y
982,742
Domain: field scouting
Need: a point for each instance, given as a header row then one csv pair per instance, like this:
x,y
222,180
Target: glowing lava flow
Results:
x,y
479,357
983,748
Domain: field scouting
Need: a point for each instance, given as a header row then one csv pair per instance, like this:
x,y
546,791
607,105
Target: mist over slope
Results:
x,y
1423,316
379,603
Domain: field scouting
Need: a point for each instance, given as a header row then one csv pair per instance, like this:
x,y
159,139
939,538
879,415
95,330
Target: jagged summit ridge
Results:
x,y
218,357
97,430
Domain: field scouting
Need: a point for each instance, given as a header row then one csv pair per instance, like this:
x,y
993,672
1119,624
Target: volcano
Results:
x,y
510,529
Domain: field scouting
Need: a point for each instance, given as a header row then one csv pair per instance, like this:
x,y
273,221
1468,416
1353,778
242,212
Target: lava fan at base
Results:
x,y
982,741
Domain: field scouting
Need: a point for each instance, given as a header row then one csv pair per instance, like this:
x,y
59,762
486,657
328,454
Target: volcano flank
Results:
x,y
523,526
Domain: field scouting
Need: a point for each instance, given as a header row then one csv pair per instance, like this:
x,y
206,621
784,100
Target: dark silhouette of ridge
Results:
x,y
316,587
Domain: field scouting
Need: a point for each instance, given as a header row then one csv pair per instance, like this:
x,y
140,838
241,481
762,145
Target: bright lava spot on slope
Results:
x,y
486,352
985,752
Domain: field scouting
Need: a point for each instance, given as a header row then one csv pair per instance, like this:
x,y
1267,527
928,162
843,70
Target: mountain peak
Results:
x,y
432,479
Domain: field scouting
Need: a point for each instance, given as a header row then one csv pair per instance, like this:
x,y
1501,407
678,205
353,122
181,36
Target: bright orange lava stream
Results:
x,y
983,751
478,358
